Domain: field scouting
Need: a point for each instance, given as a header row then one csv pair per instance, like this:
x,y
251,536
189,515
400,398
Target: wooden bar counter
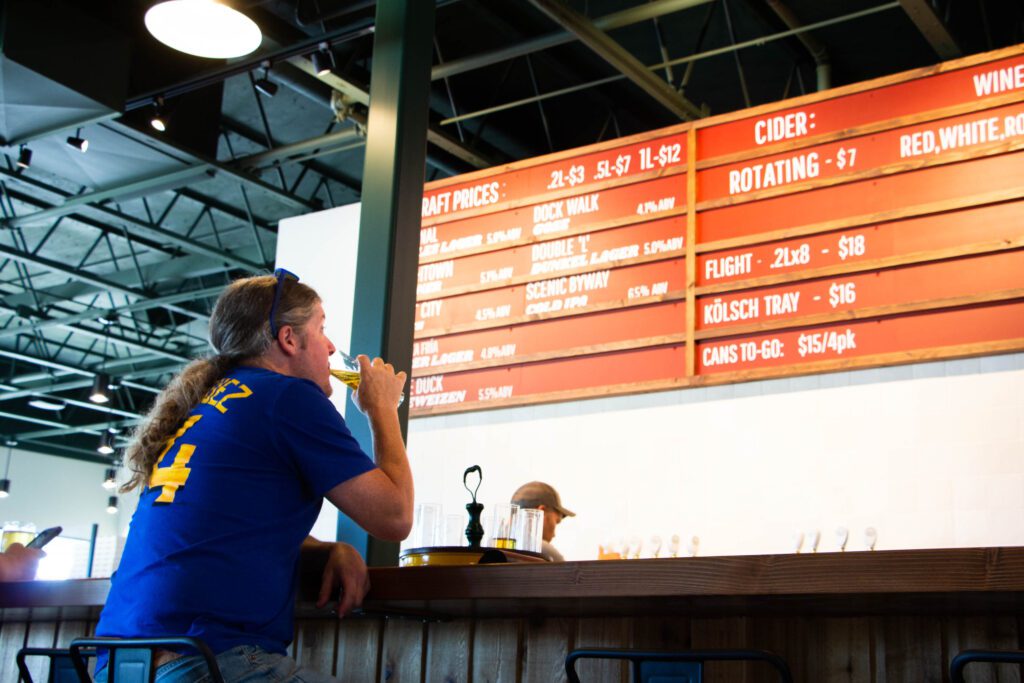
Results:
x,y
887,616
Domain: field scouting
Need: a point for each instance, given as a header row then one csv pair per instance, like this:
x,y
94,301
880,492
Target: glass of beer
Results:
x,y
348,373
503,526
16,533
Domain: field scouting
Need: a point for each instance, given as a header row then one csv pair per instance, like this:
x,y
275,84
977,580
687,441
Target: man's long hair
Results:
x,y
239,333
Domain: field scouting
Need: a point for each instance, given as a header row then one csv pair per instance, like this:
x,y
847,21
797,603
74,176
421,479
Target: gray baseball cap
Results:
x,y
538,493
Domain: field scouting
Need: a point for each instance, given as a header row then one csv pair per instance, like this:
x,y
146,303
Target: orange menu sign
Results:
x,y
880,223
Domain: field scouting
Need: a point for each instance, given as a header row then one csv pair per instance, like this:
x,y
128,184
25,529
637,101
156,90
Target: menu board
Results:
x,y
874,224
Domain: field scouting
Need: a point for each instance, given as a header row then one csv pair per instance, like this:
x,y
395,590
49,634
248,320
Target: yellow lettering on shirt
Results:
x,y
222,386
176,474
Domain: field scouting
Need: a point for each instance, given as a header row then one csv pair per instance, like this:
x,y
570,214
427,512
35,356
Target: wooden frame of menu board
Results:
x,y
874,224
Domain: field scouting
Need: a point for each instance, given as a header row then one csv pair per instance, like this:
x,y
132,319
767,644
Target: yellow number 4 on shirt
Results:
x,y
175,474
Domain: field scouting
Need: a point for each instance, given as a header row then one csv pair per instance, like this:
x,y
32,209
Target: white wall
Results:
x,y
51,491
931,455
321,248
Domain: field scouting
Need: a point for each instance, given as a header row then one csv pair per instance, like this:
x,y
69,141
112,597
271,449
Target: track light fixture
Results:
x,y
158,122
203,28
100,388
264,84
24,157
78,142
106,446
112,505
5,483
110,478
323,59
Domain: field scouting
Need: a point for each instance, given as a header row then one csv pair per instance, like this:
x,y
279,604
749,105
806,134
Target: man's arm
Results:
x,y
343,570
381,500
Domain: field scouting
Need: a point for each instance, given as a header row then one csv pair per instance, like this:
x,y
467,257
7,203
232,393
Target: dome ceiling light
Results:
x,y
204,28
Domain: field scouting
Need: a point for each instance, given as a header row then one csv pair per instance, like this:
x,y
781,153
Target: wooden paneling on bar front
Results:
x,y
856,617
856,225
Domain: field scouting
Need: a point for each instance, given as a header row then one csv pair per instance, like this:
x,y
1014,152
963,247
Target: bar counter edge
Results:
x,y
957,581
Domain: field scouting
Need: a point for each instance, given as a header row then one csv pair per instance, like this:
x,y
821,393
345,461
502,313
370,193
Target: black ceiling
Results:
x,y
110,260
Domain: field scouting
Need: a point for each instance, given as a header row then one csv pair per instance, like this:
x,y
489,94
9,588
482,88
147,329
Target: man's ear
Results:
x,y
288,340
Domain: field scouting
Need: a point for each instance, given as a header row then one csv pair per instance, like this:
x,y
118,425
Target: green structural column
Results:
x,y
389,230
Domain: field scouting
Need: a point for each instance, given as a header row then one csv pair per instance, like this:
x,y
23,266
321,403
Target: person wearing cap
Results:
x,y
537,494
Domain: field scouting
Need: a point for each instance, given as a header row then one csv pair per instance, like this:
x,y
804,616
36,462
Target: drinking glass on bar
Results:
x,y
425,525
530,529
454,530
16,533
348,373
503,526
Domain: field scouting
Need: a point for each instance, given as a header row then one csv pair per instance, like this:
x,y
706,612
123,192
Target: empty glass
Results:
x,y
425,525
455,530
530,529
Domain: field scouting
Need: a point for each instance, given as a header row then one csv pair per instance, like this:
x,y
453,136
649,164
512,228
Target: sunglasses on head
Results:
x,y
281,274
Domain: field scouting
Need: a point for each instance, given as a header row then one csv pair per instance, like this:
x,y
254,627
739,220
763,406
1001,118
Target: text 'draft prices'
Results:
x,y
642,325
575,173
917,332
994,225
973,84
964,277
565,295
866,198
553,379
570,215
652,240
893,148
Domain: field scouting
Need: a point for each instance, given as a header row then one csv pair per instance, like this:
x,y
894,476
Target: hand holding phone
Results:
x,y
44,537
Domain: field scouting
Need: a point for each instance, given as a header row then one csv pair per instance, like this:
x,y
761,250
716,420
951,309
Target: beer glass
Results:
x,y
455,530
503,526
425,524
16,533
530,529
348,373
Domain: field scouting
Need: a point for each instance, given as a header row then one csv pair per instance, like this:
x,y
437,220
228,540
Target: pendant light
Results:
x,y
5,483
204,28
110,479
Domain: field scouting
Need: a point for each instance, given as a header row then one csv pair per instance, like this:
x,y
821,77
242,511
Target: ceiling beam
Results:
x,y
816,48
94,313
240,129
97,281
136,188
608,22
160,183
754,42
616,55
932,28
73,204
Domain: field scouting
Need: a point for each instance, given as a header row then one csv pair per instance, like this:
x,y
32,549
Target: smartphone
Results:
x,y
44,537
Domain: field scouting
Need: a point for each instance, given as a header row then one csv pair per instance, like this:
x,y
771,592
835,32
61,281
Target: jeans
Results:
x,y
242,664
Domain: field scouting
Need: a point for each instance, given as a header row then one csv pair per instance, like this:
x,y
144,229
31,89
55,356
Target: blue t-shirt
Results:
x,y
213,546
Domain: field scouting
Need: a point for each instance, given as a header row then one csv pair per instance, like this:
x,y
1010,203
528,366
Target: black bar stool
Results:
x,y
62,669
956,667
131,659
